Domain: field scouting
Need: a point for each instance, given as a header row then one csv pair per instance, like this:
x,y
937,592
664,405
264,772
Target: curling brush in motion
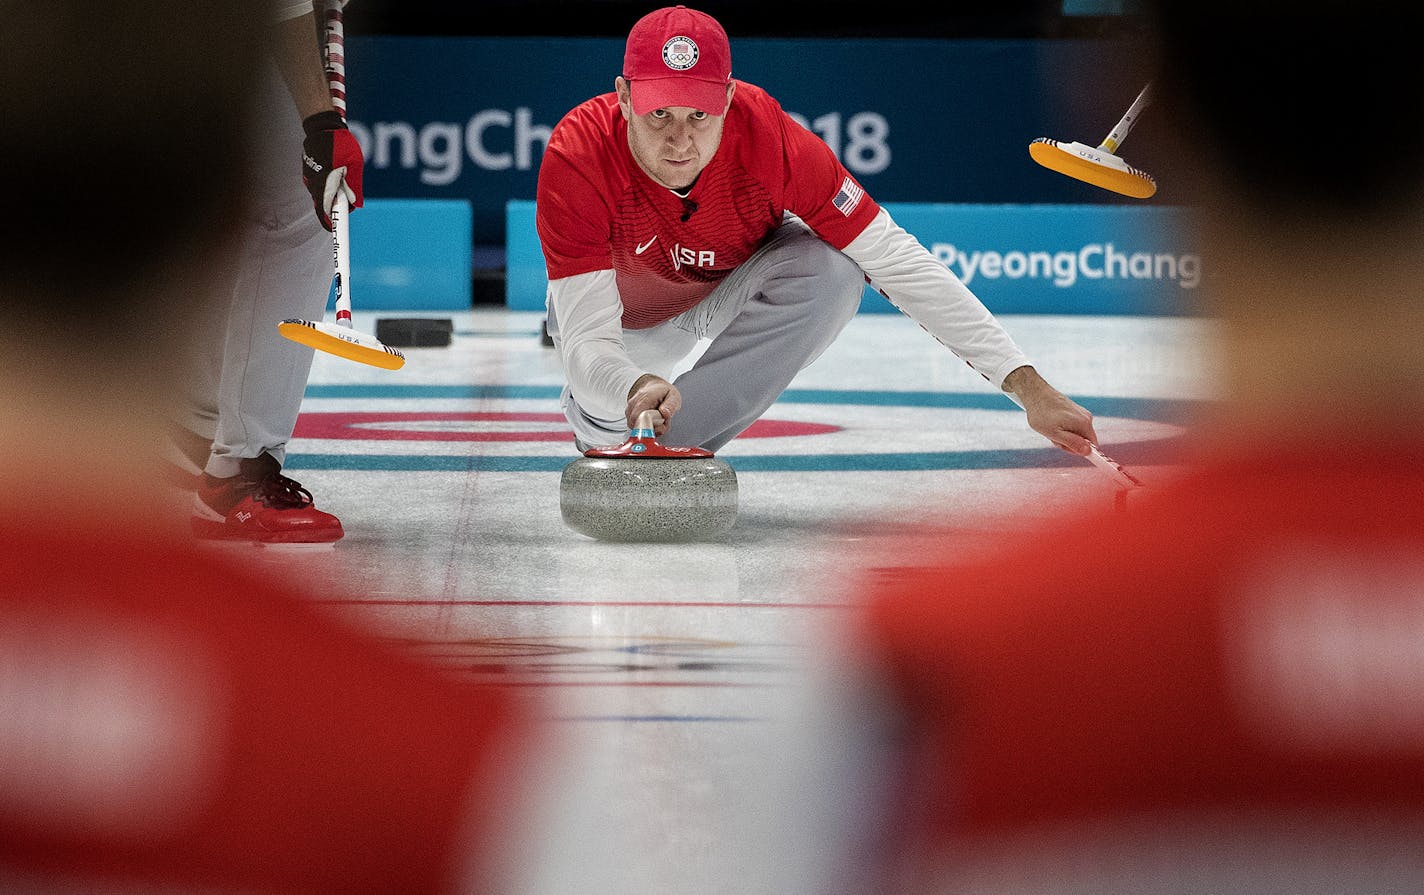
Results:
x,y
1100,166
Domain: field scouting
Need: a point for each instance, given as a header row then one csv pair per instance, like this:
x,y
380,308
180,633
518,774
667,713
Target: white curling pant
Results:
x,y
246,381
768,320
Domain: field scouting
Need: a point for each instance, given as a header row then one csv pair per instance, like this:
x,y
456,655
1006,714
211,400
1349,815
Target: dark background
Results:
x,y
1026,19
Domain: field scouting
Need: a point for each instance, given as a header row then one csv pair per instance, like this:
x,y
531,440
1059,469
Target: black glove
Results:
x,y
331,161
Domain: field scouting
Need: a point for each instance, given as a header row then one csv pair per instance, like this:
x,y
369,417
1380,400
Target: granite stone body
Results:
x,y
652,499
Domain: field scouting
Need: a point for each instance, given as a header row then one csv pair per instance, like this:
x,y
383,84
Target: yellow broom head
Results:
x,y
1092,165
342,341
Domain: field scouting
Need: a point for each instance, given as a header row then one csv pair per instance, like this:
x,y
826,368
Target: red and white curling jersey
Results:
x,y
597,208
1220,691
623,251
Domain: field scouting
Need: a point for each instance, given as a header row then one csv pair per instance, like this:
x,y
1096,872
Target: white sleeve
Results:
x,y
588,316
905,272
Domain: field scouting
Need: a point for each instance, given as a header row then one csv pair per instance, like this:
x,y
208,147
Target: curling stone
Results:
x,y
641,490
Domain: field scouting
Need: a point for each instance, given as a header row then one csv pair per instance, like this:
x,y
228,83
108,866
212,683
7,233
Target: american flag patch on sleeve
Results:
x,y
848,197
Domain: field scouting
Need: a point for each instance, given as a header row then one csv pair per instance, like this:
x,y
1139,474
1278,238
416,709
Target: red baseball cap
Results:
x,y
678,57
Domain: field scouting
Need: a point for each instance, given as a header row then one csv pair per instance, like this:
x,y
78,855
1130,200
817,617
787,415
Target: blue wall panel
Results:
x,y
411,254
1018,259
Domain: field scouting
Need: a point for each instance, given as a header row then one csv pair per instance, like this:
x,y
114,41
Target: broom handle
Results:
x,y
341,255
1119,133
334,54
334,61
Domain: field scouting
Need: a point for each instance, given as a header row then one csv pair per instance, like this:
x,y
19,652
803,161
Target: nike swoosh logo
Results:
x,y
644,247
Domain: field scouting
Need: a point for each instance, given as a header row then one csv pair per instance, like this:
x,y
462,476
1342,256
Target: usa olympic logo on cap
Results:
x,y
680,53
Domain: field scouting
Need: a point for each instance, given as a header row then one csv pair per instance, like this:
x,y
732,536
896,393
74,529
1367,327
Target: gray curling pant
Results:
x,y
769,319
246,382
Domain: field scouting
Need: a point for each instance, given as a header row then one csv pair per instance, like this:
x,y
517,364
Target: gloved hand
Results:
x,y
331,161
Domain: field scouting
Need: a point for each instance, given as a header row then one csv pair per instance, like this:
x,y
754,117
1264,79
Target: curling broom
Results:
x,y
341,338
1099,166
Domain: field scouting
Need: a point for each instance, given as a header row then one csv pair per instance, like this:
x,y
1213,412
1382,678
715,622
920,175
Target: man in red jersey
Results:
x,y
686,206
1221,691
172,720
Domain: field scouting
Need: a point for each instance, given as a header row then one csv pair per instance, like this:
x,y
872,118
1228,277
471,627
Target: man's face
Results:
x,y
674,144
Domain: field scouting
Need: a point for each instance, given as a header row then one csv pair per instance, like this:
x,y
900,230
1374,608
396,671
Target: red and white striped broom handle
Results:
x,y
334,51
